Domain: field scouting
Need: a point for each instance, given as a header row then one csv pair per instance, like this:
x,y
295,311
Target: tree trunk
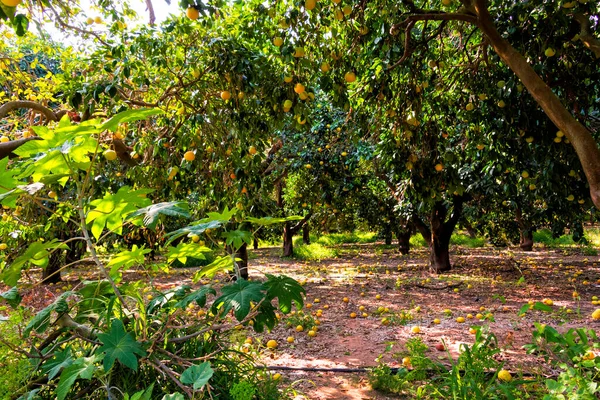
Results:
x,y
581,138
403,241
51,274
526,239
439,253
525,231
288,244
439,245
306,234
388,237
242,254
255,243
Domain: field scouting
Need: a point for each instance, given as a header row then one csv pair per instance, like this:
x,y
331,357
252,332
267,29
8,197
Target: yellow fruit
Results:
x,y
483,96
241,95
525,174
189,156
4,139
529,139
350,77
345,300
290,339
501,104
299,52
299,328
446,2
439,167
415,329
560,134
309,5
252,150
470,107
98,20
278,41
299,88
480,146
472,331
225,95
437,321
378,296
344,154
353,315
271,344
3,246
110,155
325,67
277,376
460,320
192,13
570,197
406,361
549,52
312,333
347,10
500,84
596,314
195,238
308,166
89,21
504,375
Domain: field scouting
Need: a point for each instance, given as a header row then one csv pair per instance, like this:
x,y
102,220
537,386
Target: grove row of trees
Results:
x,y
409,116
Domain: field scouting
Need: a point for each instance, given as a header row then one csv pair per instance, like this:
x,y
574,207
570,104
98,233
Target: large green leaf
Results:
x,y
112,209
129,116
61,360
8,182
223,263
185,250
197,375
37,254
120,345
196,228
82,368
127,259
142,394
286,290
238,296
223,217
153,212
173,396
198,296
12,297
42,319
266,317
237,238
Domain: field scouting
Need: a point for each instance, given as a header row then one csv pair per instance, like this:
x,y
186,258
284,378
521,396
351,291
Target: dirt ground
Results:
x,y
484,280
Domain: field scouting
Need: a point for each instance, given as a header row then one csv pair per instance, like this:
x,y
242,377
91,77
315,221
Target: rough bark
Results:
x,y
525,231
255,243
306,234
288,243
32,105
581,138
242,254
403,241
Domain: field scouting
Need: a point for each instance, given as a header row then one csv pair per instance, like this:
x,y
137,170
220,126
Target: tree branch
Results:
x,y
150,8
6,149
14,105
586,35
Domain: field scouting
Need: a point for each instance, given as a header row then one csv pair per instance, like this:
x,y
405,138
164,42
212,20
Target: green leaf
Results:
x,y
173,396
198,296
286,290
42,319
20,24
266,317
61,359
112,209
223,263
237,238
266,221
196,228
119,345
197,375
37,254
7,177
129,116
12,297
238,296
143,394
153,212
127,259
541,307
185,250
82,368
223,217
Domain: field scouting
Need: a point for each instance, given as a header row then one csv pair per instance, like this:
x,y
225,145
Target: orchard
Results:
x,y
299,199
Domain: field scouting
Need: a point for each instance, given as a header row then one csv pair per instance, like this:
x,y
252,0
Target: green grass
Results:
x,y
544,236
593,235
417,241
314,252
460,239
333,239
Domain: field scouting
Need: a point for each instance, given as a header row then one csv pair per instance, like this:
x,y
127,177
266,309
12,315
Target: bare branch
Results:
x,y
6,149
586,35
32,105
150,8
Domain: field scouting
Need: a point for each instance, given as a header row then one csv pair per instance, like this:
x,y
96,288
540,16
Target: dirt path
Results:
x,y
484,281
